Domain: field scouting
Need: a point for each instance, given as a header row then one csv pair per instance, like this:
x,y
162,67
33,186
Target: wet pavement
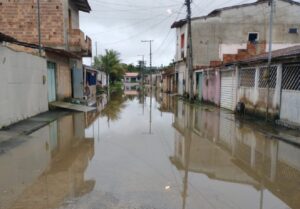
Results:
x,y
149,153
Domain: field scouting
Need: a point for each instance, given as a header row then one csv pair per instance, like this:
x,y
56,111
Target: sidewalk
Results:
x,y
27,126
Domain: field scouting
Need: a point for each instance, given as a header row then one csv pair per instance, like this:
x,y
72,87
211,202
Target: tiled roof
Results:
x,y
131,74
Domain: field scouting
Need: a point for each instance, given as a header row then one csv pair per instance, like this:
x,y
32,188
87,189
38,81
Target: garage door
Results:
x,y
228,92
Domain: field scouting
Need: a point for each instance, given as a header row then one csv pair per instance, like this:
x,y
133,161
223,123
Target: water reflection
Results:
x,y
47,167
157,152
212,142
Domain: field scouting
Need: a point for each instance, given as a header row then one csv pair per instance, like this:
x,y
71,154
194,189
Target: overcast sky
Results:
x,y
122,24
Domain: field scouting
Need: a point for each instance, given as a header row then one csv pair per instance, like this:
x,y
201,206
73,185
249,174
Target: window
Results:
x,y
70,19
253,37
182,41
247,77
293,30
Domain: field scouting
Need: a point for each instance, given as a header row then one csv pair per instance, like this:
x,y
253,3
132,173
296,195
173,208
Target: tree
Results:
x,y
110,63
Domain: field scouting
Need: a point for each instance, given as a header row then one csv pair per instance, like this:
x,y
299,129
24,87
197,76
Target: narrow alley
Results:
x,y
150,152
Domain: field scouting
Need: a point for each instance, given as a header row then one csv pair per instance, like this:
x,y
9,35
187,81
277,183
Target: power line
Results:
x,y
140,33
169,31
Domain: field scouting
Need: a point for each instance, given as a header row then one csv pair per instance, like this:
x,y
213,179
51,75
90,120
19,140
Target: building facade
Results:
x,y
242,29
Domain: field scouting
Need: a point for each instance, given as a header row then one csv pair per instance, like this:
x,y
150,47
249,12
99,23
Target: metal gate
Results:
x,y
51,68
228,90
77,78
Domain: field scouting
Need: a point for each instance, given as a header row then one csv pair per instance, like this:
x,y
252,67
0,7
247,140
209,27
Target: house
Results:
x,y
59,30
131,82
222,34
131,78
249,85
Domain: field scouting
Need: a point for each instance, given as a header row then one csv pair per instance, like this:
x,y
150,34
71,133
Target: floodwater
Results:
x,y
149,153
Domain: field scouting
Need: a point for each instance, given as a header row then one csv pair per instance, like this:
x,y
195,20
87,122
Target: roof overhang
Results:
x,y
82,5
62,52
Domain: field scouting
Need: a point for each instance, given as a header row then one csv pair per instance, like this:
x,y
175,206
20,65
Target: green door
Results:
x,y
51,82
199,85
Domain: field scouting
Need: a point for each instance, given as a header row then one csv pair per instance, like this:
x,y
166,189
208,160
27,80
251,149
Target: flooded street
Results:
x,y
149,153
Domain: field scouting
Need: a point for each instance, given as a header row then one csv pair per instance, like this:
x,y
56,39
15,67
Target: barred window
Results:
x,y
247,77
291,77
262,83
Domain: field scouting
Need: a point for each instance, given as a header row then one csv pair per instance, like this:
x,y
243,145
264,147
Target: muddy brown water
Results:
x,y
149,153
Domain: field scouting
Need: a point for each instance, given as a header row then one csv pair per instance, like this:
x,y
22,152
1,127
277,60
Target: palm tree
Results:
x,y
110,63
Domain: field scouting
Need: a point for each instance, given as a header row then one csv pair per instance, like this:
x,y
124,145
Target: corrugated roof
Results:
x,y
276,54
216,12
82,5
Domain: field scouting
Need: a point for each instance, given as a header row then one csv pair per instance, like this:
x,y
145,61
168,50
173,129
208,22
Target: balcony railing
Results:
x,y
79,43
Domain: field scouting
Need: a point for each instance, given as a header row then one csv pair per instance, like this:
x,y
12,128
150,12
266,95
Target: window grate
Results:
x,y
291,77
247,77
262,83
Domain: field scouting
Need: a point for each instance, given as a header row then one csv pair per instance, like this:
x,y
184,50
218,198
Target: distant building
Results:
x,y
222,34
131,83
131,78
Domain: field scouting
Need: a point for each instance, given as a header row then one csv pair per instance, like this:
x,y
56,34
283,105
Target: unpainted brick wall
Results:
x,y
18,18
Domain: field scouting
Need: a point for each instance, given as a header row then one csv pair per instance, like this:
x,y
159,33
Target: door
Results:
x,y
199,85
228,92
51,68
77,78
180,83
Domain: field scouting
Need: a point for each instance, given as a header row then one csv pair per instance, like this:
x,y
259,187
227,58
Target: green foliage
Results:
x,y
111,64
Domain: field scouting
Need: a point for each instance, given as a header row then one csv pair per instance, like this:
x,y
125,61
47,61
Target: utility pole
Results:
x,y
142,64
268,70
150,42
96,48
39,26
190,48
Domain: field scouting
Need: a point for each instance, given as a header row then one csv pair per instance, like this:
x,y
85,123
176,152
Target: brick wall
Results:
x,y
18,18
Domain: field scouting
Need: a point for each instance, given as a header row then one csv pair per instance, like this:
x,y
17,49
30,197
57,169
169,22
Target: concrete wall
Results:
x,y
22,91
290,106
229,30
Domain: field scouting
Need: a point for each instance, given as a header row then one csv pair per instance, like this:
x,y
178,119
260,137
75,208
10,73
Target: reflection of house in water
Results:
x,y
48,167
215,145
167,103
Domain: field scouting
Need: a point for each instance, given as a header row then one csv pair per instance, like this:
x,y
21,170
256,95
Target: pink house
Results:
x,y
208,88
